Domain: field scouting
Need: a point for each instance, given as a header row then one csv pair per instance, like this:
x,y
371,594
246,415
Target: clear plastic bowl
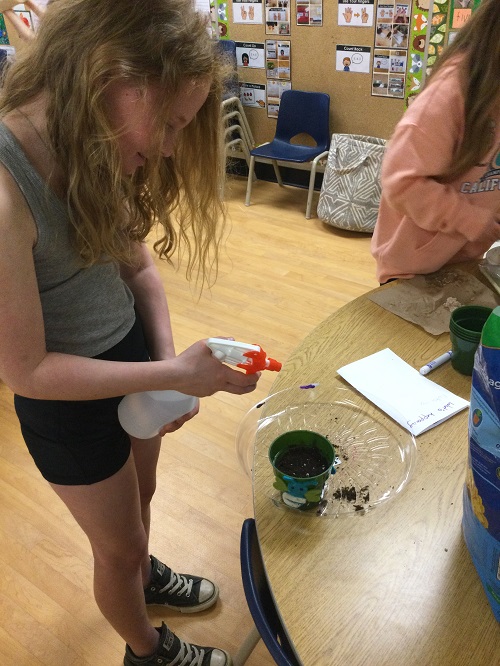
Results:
x,y
375,457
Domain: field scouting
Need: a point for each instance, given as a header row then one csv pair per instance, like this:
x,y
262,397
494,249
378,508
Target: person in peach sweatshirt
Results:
x,y
440,200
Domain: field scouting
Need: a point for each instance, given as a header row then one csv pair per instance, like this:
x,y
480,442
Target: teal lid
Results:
x,y
491,331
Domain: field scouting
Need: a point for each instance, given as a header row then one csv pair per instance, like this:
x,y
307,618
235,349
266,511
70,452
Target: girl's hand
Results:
x,y
199,373
178,423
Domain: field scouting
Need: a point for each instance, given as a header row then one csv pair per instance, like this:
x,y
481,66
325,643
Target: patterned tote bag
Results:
x,y
350,193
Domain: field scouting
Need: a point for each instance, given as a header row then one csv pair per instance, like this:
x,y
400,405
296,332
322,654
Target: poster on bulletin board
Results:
x,y
310,12
390,54
461,11
274,91
253,94
353,58
278,59
389,67
247,11
355,13
250,54
277,17
28,17
25,16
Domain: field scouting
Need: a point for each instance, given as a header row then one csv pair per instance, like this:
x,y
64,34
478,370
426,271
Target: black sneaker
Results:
x,y
182,592
172,651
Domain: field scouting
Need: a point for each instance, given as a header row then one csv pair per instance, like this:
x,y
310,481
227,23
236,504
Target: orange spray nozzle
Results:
x,y
257,361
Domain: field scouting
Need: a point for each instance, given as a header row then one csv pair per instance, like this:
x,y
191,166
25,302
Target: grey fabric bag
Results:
x,y
350,194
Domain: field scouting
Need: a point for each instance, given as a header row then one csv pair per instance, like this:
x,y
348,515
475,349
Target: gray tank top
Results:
x,y
85,310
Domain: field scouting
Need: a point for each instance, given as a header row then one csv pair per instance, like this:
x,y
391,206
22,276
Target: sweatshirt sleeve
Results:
x,y
422,147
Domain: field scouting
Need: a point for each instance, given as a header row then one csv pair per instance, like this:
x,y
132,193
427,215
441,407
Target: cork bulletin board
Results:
x,y
313,55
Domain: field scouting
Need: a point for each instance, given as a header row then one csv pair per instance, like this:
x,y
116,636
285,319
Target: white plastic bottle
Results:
x,y
143,414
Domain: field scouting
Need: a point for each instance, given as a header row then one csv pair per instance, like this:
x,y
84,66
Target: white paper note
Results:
x,y
415,402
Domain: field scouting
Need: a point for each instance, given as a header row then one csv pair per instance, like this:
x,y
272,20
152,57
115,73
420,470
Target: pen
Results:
x,y
436,363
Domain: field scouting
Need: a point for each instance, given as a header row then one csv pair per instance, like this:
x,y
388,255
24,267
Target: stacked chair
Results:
x,y
238,136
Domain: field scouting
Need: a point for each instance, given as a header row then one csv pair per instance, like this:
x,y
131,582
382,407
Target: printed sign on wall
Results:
x,y
247,11
392,35
274,91
277,59
310,12
389,67
250,54
356,13
277,17
461,11
253,94
353,58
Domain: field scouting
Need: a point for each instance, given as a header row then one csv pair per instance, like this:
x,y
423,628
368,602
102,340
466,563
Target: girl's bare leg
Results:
x,y
146,453
109,512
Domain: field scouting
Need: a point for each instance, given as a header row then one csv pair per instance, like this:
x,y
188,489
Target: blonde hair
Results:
x,y
83,46
477,44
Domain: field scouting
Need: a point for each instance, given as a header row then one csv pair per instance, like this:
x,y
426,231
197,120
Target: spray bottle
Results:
x,y
143,414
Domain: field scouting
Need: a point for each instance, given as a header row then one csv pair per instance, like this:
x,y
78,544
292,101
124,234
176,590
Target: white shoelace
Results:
x,y
189,655
179,584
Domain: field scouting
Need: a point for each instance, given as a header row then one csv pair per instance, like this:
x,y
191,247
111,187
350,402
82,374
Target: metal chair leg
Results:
x,y
246,647
250,179
312,179
277,173
310,192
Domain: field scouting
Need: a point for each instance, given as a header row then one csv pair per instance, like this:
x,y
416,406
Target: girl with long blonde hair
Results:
x,y
110,127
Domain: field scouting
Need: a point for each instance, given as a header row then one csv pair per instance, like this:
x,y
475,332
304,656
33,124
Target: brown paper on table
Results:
x,y
428,300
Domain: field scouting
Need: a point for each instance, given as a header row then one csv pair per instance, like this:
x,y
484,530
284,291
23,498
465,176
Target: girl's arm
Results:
x,y
151,304
28,369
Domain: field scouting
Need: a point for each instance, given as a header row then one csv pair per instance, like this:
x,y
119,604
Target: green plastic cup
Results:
x,y
466,326
302,461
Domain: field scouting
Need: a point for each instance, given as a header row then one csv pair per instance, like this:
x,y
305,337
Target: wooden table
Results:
x,y
395,586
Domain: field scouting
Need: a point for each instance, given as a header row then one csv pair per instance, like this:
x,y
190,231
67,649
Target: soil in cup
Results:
x,y
301,462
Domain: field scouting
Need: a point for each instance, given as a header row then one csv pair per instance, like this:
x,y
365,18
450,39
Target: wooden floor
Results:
x,y
280,275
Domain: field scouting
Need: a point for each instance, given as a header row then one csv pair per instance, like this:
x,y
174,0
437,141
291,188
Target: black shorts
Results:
x,y
76,442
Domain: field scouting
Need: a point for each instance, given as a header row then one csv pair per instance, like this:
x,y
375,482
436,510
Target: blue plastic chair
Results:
x,y
300,112
261,604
